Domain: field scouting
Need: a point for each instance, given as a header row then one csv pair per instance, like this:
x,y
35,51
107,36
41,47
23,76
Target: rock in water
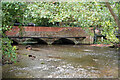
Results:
x,y
29,47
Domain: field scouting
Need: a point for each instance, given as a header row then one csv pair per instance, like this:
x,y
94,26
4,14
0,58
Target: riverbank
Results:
x,y
106,45
101,45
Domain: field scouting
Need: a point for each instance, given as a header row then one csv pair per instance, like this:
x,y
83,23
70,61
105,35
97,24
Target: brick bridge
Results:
x,y
50,35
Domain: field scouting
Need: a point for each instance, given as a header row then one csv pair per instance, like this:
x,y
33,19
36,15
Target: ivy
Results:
x,y
11,12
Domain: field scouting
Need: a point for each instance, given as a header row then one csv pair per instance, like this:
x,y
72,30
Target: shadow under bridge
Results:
x,y
50,40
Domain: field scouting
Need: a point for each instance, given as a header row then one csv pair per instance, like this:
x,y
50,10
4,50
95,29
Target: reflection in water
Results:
x,y
63,61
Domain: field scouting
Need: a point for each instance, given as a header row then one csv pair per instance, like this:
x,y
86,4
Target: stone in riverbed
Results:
x,y
29,47
33,57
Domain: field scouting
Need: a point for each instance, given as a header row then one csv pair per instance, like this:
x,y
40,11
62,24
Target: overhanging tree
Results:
x,y
115,16
77,14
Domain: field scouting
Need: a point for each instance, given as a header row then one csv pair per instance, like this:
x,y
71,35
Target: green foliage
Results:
x,y
11,12
9,54
75,14
104,41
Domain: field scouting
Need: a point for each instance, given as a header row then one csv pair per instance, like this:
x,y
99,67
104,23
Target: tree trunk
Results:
x,y
113,14
116,18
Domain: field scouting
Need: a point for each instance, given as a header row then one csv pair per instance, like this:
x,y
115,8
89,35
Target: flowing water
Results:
x,y
63,61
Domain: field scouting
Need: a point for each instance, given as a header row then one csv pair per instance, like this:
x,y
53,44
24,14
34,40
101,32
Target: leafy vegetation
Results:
x,y
75,14
10,13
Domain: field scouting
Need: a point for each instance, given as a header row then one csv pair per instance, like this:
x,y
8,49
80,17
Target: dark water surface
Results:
x,y
64,61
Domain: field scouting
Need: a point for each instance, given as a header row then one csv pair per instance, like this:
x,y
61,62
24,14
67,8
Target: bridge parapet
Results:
x,y
76,34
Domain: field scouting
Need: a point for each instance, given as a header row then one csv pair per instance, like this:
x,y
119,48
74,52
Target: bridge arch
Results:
x,y
40,41
63,41
14,42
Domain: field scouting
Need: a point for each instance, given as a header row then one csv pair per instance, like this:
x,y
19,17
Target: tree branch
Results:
x,y
113,14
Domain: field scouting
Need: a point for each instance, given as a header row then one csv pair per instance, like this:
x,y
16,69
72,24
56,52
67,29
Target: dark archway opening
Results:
x,y
36,41
14,42
40,41
63,41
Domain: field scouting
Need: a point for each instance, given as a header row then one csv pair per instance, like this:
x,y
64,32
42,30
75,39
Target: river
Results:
x,y
63,61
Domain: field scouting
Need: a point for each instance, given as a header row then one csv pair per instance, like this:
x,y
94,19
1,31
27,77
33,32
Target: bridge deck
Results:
x,y
76,34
